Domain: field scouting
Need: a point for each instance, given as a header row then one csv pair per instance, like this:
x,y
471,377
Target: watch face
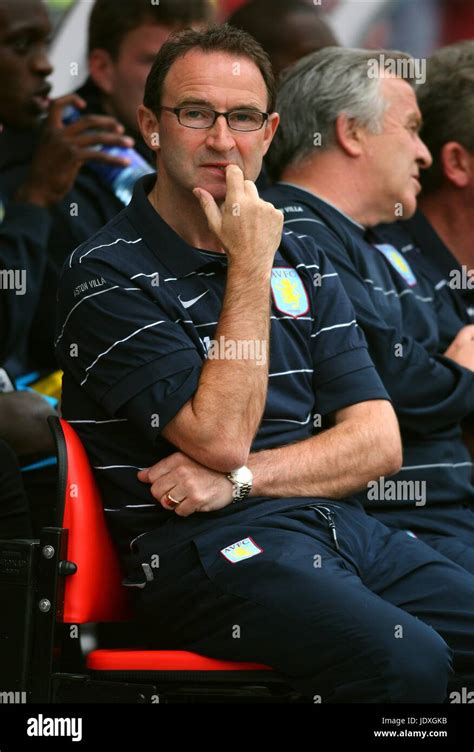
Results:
x,y
242,475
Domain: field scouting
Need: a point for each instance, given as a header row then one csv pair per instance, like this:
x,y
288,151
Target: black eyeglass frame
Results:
x,y
177,112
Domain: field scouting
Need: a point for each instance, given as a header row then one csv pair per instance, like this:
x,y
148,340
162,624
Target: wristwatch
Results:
x,y
241,479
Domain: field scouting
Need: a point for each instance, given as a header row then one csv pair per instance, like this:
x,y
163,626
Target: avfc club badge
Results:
x,y
289,294
243,549
398,262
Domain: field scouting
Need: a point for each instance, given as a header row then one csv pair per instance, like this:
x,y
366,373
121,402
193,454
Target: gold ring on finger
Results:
x,y
173,501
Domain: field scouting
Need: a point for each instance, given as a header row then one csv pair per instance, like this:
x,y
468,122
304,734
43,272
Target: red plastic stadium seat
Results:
x,y
94,593
162,660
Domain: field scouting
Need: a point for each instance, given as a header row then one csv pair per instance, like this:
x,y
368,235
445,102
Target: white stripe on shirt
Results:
x,y
118,342
438,464
284,373
111,420
287,420
335,326
100,292
104,245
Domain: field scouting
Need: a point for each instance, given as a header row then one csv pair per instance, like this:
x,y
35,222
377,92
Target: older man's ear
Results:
x,y
149,127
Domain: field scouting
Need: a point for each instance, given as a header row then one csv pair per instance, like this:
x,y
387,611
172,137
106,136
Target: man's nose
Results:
x,y
40,63
423,156
220,136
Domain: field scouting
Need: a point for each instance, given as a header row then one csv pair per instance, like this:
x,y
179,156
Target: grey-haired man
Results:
x,y
348,156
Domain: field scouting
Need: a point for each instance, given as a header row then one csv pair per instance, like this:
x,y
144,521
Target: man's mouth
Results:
x,y
41,99
217,167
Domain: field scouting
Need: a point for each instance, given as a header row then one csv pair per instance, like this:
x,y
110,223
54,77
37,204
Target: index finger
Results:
x,y
55,114
235,182
164,466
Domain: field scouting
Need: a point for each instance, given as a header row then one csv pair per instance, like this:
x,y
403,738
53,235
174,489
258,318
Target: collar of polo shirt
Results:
x,y
314,199
179,257
425,236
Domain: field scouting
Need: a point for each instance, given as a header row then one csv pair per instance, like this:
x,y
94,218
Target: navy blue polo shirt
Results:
x,y
405,326
424,249
138,308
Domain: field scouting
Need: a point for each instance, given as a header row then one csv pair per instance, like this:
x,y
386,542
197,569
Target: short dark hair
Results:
x,y
214,39
446,102
265,21
111,20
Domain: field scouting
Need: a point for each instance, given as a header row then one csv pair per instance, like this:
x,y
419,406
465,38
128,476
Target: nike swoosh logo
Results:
x,y
189,303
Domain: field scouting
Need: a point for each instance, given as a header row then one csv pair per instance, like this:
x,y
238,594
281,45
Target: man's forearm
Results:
x,y
363,445
233,385
217,426
333,464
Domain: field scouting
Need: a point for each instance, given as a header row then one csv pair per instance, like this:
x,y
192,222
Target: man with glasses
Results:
x,y
226,402
203,117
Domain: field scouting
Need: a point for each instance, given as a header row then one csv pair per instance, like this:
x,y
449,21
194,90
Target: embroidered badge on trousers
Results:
x,y
243,549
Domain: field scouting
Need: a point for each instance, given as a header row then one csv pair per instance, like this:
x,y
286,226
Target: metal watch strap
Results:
x,y
240,490
241,479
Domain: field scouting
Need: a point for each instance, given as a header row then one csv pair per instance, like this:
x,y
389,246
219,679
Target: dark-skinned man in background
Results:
x,y
26,222
122,41
57,208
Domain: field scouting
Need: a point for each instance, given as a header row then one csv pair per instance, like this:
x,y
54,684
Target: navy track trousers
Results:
x,y
349,612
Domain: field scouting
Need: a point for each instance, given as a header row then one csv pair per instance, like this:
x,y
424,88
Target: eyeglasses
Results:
x,y
204,117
